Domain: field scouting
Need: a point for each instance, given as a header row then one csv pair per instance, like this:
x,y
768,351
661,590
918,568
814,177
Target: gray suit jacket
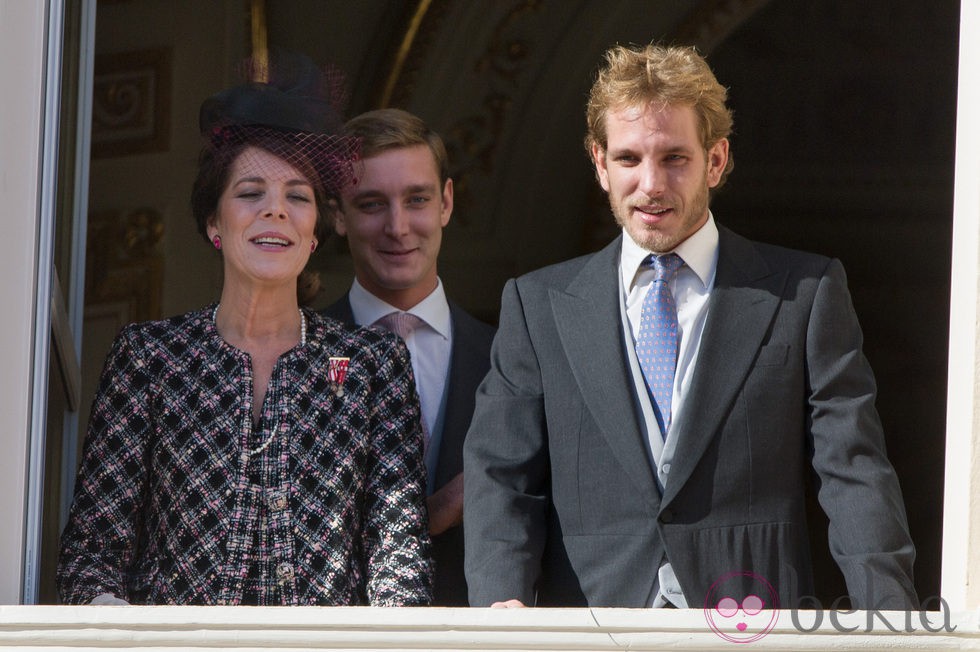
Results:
x,y
469,362
562,506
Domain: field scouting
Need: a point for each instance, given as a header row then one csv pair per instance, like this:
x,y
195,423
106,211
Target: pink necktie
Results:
x,y
656,345
400,323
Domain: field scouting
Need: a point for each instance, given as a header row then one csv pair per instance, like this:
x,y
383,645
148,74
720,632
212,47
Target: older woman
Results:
x,y
253,452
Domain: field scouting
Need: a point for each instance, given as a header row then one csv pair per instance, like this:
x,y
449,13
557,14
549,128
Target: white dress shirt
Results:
x,y
691,289
430,346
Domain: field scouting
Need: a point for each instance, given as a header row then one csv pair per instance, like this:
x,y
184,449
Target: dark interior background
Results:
x,y
844,137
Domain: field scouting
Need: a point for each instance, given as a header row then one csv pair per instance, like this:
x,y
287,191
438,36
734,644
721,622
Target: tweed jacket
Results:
x,y
180,500
470,361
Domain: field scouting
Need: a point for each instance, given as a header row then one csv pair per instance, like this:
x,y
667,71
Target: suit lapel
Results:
x,y
468,365
588,323
466,370
743,304
341,310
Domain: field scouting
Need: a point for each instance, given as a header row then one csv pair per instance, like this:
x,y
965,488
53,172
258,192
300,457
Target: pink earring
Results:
x,y
217,241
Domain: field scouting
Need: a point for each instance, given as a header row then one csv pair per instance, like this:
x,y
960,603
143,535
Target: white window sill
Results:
x,y
366,628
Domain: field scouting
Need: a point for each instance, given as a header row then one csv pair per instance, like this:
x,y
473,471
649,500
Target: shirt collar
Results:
x,y
433,310
699,251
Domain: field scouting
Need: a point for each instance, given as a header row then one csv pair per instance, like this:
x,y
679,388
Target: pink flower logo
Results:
x,y
741,607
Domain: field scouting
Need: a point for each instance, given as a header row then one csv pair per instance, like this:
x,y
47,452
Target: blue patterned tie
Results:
x,y
656,345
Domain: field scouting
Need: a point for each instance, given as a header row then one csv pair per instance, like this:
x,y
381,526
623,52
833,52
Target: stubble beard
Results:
x,y
654,239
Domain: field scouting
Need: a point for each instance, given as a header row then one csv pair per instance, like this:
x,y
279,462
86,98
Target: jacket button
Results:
x,y
278,501
284,572
667,516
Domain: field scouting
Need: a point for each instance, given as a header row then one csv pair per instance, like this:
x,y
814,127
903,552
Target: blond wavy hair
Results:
x,y
670,75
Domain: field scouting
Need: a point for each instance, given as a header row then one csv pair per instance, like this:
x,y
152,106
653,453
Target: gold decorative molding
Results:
x,y
404,49
408,58
506,53
124,264
260,41
473,140
131,103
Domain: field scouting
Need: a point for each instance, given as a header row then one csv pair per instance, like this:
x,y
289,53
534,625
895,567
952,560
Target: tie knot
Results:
x,y
665,266
400,323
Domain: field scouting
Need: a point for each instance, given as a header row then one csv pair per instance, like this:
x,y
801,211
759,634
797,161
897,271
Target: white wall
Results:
x,y
961,513
22,35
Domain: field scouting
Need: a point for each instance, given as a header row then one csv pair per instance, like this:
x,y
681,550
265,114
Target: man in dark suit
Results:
x,y
653,411
393,219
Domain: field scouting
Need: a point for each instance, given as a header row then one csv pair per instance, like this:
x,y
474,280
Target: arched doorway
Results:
x,y
839,150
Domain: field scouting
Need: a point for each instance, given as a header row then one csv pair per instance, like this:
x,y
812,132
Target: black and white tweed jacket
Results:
x,y
180,500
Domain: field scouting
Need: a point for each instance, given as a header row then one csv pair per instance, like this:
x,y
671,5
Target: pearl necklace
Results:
x,y
248,417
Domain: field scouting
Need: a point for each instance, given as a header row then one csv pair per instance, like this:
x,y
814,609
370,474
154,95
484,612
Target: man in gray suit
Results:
x,y
393,219
653,411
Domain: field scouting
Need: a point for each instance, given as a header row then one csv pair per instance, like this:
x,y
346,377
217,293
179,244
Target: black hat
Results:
x,y
300,105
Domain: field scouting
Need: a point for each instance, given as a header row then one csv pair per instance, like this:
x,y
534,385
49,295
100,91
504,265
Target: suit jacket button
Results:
x,y
666,516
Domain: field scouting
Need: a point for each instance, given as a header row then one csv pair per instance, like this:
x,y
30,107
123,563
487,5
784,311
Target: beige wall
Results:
x,y
22,32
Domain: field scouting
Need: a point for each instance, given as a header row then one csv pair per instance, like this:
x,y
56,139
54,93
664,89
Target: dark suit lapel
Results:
x,y
340,310
588,321
469,362
468,365
743,303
